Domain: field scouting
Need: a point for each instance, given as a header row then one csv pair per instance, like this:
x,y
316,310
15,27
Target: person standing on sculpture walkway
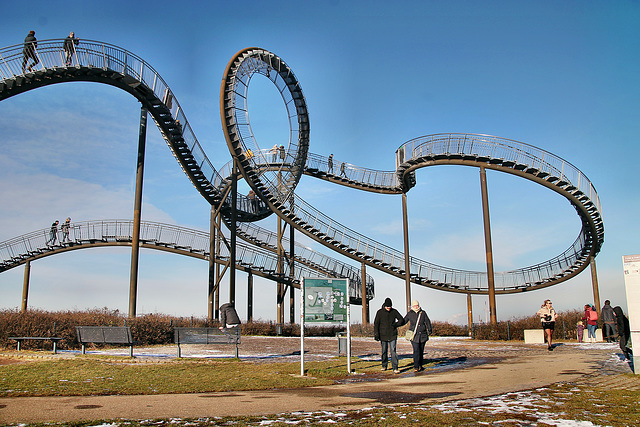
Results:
x,y
608,322
29,51
69,48
385,330
420,325
65,227
548,316
53,233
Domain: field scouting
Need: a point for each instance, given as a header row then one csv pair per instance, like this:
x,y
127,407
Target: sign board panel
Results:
x,y
631,267
325,300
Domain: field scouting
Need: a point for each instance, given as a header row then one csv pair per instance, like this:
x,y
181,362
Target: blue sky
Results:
x,y
561,76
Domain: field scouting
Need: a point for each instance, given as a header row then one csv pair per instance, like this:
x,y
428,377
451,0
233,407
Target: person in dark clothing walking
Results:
x,y
385,329
29,51
53,233
69,47
228,316
624,331
420,325
608,322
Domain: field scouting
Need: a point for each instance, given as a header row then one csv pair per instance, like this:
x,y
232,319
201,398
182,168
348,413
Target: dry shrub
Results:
x,y
446,329
38,323
153,329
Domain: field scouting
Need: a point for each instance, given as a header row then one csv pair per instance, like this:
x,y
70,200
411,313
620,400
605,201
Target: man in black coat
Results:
x,y
608,322
385,327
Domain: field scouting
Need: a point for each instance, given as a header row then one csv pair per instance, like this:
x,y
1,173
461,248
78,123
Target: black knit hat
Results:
x,y
387,303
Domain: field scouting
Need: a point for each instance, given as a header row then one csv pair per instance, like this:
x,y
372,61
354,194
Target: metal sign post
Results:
x,y
324,300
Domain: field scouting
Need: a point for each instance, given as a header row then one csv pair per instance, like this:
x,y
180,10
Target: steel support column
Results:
x,y
594,282
218,278
407,262
470,314
363,291
250,297
292,251
488,247
280,270
234,214
212,265
135,241
25,286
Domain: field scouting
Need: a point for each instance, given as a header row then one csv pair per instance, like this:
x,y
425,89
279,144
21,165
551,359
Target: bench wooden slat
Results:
x,y
105,335
206,336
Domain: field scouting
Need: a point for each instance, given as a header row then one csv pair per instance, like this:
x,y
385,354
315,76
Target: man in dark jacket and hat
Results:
x,y
385,327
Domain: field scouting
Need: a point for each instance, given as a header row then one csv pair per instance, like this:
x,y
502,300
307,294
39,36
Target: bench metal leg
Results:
x,y
55,347
19,342
83,348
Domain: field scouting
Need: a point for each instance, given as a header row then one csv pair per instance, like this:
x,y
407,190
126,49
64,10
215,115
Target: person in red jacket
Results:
x,y
591,320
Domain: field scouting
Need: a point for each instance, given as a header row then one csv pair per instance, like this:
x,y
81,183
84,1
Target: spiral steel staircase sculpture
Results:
x,y
274,178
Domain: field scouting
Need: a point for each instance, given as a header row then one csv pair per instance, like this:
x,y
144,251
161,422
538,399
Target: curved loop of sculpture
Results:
x,y
274,178
272,170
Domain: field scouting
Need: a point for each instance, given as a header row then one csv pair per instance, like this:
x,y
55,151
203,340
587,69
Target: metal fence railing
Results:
x,y
94,54
18,249
498,148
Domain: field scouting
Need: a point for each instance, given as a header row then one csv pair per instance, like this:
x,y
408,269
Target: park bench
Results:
x,y
105,335
206,336
54,340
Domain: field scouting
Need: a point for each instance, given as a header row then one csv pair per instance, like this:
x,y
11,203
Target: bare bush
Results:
x,y
154,329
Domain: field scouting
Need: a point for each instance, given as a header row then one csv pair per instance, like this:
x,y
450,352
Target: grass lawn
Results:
x,y
561,404
86,376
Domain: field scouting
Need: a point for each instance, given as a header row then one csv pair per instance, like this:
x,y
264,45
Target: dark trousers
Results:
x,y
623,346
389,347
418,354
609,332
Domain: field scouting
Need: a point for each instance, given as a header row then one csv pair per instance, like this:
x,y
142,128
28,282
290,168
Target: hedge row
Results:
x,y
152,329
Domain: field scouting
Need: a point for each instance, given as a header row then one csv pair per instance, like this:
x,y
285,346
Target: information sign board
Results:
x,y
325,300
631,268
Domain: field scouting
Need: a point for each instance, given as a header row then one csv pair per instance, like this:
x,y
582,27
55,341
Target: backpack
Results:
x,y
593,315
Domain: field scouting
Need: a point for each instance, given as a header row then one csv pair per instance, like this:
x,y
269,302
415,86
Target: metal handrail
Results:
x,y
18,249
257,234
497,148
95,54
386,180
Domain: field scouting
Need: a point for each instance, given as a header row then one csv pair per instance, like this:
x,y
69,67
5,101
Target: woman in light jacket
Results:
x,y
417,316
548,318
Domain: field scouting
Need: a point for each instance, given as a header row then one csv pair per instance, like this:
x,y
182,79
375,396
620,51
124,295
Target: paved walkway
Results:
x,y
476,369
